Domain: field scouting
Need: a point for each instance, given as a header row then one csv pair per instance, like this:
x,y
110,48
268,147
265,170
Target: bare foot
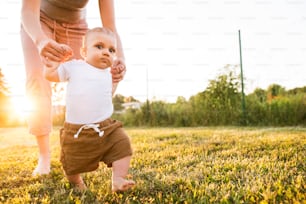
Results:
x,y
77,182
43,167
121,184
80,186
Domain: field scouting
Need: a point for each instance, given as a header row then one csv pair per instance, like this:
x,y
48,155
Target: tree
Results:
x,y
118,100
130,99
4,100
259,95
296,91
223,98
274,91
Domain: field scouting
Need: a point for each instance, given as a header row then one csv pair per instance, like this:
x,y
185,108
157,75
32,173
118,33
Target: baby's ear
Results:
x,y
83,52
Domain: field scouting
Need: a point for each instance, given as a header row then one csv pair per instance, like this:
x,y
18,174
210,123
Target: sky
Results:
x,y
175,47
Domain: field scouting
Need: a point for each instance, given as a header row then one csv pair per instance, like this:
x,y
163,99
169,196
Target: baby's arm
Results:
x,y
50,71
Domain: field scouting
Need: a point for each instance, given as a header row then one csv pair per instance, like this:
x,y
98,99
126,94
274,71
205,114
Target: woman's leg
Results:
x,y
38,91
43,165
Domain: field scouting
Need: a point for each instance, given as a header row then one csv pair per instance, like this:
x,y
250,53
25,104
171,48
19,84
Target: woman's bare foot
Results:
x,y
120,184
43,166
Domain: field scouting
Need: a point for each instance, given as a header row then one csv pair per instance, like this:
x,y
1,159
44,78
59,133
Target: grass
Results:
x,y
171,165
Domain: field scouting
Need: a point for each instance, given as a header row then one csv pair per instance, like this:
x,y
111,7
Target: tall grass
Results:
x,y
182,165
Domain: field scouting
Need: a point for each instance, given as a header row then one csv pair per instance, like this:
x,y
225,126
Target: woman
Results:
x,y
53,29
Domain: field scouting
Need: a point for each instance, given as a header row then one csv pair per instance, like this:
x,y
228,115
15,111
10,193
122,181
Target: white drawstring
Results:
x,y
87,126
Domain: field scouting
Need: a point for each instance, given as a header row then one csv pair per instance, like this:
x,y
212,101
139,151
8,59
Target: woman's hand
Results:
x,y
50,50
118,70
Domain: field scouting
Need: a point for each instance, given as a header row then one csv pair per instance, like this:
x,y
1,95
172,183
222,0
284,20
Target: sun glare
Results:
x,y
22,107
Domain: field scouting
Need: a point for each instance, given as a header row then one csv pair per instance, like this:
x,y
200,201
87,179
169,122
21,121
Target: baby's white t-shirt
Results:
x,y
89,92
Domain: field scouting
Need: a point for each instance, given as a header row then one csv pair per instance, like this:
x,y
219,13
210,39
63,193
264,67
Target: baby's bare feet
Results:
x,y
77,182
80,186
121,184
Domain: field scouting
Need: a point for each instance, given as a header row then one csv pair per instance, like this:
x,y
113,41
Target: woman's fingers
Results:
x,y
118,69
54,51
67,52
117,74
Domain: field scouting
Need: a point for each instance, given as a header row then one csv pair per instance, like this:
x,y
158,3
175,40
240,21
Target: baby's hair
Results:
x,y
99,30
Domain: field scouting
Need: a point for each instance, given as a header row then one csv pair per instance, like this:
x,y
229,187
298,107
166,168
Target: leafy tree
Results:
x,y
275,90
130,99
4,100
158,113
199,106
181,113
259,95
296,91
118,100
181,100
223,99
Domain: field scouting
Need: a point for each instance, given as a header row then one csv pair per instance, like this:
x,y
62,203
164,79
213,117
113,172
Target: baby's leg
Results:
x,y
77,181
120,171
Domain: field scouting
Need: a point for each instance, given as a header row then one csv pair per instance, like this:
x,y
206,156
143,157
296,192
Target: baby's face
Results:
x,y
100,50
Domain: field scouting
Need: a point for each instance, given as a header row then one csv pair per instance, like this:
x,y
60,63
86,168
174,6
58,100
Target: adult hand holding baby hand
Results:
x,y
118,70
50,50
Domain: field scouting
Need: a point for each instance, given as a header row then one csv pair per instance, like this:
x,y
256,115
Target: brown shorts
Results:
x,y
83,154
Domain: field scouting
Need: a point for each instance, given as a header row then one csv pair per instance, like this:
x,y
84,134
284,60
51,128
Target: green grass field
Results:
x,y
170,165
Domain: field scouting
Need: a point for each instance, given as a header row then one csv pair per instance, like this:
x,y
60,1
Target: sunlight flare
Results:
x,y
22,107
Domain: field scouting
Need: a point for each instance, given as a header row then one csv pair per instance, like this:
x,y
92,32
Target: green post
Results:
x,y
242,84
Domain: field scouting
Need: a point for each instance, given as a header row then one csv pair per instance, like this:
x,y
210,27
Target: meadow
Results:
x,y
170,165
